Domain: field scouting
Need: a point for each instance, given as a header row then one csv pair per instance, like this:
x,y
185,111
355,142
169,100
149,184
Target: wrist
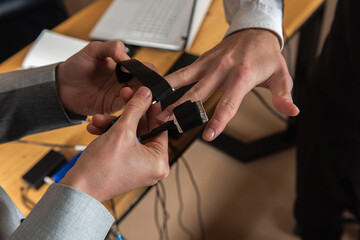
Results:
x,y
59,84
83,184
60,87
257,35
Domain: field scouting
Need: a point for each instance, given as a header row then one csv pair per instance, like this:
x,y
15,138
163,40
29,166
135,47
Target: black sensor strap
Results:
x,y
159,87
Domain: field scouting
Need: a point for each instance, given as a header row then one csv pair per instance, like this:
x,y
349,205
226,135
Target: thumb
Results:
x,y
102,50
280,87
136,108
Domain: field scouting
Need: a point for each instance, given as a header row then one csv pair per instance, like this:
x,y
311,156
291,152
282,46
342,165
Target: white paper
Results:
x,y
51,47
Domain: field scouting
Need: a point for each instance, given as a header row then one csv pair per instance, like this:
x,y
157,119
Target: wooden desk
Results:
x,y
16,158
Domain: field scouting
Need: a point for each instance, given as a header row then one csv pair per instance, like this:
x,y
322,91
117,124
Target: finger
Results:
x,y
126,94
92,129
160,142
227,106
102,50
143,126
99,123
136,108
186,75
152,67
102,121
201,91
280,86
154,110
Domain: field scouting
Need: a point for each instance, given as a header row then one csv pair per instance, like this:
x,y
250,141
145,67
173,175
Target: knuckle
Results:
x,y
228,104
183,73
123,134
195,93
243,71
135,105
226,60
93,44
116,46
163,169
119,44
217,124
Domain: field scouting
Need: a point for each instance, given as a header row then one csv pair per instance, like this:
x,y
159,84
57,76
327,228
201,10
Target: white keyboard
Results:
x,y
157,17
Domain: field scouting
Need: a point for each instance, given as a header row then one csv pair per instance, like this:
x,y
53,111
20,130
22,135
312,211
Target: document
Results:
x,y
51,47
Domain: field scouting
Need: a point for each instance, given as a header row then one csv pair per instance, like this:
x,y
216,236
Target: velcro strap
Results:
x,y
159,87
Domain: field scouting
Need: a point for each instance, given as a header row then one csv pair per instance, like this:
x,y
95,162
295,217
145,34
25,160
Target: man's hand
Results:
x,y
117,162
242,61
87,83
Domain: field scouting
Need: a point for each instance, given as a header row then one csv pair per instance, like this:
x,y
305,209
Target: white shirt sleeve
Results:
x,y
265,14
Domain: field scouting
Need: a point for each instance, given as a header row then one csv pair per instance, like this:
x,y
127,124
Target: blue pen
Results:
x,y
64,169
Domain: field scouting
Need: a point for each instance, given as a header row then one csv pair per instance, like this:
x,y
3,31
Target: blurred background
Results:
x,y
21,21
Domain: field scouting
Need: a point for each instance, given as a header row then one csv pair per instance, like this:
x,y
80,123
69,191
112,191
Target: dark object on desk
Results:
x,y
21,21
130,49
45,167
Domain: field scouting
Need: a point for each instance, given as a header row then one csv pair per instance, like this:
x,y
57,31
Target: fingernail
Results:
x,y
143,92
209,134
164,116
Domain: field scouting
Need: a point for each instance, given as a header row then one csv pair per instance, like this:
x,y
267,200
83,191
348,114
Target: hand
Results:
x,y
240,62
100,122
87,83
117,162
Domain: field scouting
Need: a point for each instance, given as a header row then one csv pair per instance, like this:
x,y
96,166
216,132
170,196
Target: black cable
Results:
x,y
156,131
198,196
160,196
133,204
113,208
268,107
27,202
156,216
165,214
181,204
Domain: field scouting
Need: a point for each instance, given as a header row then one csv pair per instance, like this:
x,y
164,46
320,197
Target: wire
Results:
x,y
156,216
165,213
76,147
268,107
161,197
196,188
198,196
28,203
113,207
114,230
181,204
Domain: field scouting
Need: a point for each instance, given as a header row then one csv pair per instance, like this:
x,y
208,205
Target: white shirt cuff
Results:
x,y
258,14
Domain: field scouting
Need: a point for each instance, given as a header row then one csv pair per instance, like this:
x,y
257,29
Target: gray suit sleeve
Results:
x,y
29,104
10,216
65,213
